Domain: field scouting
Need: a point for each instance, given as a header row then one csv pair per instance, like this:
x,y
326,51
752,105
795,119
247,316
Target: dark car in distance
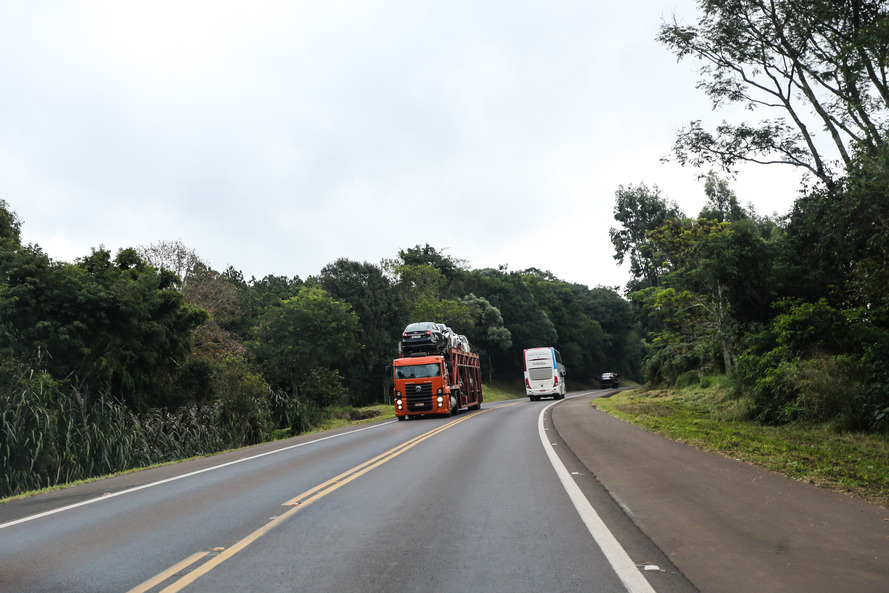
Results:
x,y
609,381
423,337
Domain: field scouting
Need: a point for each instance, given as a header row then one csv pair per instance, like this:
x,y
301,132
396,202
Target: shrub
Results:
x,y
818,364
324,387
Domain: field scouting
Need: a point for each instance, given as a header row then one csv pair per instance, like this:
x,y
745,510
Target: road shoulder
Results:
x,y
729,526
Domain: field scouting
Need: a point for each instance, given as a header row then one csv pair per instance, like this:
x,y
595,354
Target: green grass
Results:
x,y
338,418
498,391
857,464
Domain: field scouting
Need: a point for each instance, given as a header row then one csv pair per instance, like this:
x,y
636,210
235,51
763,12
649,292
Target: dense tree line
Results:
x,y
116,362
794,309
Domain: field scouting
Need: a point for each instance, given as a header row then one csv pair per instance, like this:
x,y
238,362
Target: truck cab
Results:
x,y
436,384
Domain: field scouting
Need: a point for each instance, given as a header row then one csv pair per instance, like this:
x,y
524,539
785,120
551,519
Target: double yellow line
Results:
x,y
220,555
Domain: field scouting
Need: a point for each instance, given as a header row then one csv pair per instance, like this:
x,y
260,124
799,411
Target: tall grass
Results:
x,y
52,433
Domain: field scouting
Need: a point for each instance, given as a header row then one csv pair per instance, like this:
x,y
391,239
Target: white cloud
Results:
x,y
278,136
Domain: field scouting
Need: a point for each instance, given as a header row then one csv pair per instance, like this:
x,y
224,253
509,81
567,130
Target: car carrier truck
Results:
x,y
440,383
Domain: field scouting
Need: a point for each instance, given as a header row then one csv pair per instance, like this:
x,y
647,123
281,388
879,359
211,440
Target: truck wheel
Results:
x,y
455,405
402,417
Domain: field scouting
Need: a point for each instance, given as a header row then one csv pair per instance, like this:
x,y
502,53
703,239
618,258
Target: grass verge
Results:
x,y
856,464
337,418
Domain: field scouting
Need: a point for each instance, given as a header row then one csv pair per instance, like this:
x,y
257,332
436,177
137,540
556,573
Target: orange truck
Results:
x,y
437,383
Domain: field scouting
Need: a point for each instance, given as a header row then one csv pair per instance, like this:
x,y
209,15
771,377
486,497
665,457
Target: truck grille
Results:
x,y
418,397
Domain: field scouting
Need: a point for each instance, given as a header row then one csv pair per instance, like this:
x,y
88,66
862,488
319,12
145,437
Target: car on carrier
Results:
x,y
452,338
423,337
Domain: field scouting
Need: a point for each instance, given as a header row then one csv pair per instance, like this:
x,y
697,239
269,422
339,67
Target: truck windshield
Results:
x,y
418,371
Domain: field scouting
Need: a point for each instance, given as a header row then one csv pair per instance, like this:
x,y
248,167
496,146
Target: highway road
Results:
x,y
488,501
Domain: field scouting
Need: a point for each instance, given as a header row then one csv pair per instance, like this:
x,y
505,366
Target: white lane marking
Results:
x,y
620,561
188,475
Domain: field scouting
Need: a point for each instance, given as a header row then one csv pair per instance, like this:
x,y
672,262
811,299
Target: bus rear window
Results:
x,y
540,373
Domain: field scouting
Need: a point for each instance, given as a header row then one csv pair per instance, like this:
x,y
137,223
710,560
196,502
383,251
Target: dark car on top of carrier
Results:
x,y
423,337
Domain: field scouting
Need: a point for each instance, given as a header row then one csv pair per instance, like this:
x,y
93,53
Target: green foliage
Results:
x,y
243,402
486,329
526,321
308,331
818,58
108,325
28,441
837,246
256,297
798,315
425,290
640,210
10,228
818,364
722,203
308,416
715,283
452,270
325,388
382,316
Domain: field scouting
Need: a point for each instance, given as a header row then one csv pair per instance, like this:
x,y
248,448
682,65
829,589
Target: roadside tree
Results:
x,y
308,332
640,210
817,64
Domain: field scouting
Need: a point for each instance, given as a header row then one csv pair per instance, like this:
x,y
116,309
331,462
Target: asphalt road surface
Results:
x,y
472,503
520,496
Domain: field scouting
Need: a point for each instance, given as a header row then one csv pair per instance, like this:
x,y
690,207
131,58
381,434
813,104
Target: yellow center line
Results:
x,y
297,503
153,582
344,478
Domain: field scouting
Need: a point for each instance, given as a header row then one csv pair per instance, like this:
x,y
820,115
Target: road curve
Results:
x,y
470,503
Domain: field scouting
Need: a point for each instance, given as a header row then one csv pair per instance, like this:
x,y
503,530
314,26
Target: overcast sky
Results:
x,y
279,136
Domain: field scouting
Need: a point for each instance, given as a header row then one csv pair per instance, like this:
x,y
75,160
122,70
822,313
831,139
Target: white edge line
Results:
x,y
620,561
188,475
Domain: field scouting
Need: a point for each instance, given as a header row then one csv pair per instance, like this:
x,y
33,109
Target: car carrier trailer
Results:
x,y
437,383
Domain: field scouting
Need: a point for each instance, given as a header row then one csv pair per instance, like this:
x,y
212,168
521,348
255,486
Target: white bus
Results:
x,y
544,373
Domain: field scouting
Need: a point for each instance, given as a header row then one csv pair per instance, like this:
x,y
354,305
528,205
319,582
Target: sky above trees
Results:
x,y
277,137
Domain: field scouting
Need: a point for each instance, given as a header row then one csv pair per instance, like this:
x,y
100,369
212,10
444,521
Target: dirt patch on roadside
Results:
x,y
646,409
